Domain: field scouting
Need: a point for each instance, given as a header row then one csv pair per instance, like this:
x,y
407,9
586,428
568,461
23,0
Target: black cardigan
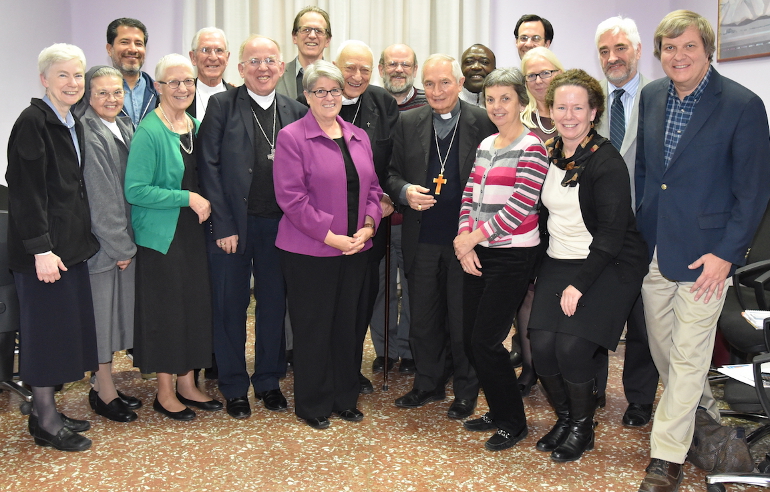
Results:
x,y
47,201
605,203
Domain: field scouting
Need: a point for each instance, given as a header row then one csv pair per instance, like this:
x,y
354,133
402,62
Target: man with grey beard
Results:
x,y
398,64
620,47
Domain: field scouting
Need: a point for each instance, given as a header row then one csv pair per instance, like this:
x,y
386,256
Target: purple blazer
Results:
x,y
311,185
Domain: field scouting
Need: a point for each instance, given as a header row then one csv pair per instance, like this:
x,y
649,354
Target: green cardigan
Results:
x,y
153,183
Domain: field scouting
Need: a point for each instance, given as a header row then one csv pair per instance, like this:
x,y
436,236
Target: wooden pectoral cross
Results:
x,y
439,181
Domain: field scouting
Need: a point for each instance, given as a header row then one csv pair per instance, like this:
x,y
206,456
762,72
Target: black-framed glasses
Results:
x,y
545,74
174,84
118,94
524,38
256,62
212,51
394,64
307,30
321,93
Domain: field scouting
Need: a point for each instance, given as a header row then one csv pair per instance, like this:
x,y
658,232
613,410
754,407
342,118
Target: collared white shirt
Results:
x,y
203,93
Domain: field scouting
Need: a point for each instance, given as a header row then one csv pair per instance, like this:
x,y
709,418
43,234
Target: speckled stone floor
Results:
x,y
392,449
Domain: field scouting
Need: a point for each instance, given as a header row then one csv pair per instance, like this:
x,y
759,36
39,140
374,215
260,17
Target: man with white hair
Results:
x,y
620,47
434,148
209,53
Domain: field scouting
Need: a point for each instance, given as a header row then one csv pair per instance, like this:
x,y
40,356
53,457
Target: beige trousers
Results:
x,y
681,333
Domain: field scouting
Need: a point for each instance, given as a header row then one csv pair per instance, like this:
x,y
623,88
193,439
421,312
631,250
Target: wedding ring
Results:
x,y
419,207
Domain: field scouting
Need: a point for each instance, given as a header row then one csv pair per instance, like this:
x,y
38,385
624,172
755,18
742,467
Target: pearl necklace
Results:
x,y
190,150
537,118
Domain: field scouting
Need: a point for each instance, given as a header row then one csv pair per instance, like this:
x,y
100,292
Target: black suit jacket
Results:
x,y
192,110
412,141
226,159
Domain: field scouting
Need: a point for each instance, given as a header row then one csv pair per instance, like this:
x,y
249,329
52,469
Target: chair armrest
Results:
x,y
759,384
760,285
761,267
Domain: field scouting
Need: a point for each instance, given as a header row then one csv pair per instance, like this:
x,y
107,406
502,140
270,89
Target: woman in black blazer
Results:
x,y
593,269
49,239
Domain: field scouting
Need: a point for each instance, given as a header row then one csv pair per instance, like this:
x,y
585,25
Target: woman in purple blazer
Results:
x,y
326,185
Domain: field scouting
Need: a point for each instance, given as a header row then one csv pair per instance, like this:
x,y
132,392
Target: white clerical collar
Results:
x,y
263,101
209,90
348,102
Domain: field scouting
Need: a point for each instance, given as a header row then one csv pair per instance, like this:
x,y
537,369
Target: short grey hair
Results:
x,y
321,68
59,52
508,77
619,24
172,60
106,71
354,42
457,72
208,30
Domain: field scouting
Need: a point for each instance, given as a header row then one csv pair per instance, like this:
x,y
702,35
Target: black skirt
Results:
x,y
602,311
57,332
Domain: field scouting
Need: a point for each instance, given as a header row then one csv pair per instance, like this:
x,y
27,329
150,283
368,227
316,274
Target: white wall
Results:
x,y
575,28
32,25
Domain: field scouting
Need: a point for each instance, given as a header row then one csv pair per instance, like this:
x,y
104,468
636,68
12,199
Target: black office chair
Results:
x,y
750,290
9,313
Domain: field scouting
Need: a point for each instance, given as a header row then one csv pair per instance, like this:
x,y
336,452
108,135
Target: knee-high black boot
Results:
x,y
557,394
581,398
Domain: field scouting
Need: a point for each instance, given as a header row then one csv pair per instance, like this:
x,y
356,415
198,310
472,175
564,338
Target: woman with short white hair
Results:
x,y
173,327
49,239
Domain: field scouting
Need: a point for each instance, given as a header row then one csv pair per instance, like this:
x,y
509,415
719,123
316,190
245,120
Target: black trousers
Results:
x,y
323,295
436,286
640,377
489,305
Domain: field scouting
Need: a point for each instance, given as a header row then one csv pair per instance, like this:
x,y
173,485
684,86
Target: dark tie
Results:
x,y
617,120
299,81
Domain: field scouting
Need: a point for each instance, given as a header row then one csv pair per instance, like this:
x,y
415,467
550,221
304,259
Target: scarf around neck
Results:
x,y
576,163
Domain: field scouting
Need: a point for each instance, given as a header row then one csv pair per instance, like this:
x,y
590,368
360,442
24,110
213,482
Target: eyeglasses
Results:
x,y
524,38
212,51
256,62
321,33
545,74
352,69
118,94
394,64
174,84
321,93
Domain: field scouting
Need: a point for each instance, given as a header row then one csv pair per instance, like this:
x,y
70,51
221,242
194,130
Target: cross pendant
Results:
x,y
439,181
271,155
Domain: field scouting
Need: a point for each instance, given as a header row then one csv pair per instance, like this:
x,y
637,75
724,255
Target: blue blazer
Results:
x,y
226,158
716,188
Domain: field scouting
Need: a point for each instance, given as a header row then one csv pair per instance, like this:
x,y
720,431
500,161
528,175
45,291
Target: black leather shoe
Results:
x,y
637,414
417,398
461,408
64,440
273,400
71,424
289,358
185,414
483,423
366,385
351,415
116,410
239,408
131,402
318,423
379,364
211,405
407,366
516,358
504,439
601,401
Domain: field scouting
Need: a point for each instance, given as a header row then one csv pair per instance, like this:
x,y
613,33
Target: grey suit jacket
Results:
x,y
412,141
287,84
628,149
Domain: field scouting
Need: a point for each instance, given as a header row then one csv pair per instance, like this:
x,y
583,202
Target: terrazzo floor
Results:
x,y
392,449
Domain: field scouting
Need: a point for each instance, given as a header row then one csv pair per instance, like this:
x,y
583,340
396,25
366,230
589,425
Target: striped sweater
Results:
x,y
502,192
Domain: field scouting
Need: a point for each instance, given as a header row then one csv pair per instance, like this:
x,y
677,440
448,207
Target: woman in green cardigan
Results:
x,y
173,330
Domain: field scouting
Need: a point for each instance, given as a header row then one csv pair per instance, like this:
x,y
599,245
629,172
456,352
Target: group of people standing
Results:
x,y
141,223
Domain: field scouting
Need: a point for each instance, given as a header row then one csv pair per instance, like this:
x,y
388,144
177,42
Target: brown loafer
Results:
x,y
662,476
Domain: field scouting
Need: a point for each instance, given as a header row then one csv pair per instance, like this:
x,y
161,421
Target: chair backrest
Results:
x,y
760,245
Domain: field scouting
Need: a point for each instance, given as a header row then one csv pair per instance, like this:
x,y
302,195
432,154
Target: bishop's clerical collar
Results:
x,y
445,123
263,101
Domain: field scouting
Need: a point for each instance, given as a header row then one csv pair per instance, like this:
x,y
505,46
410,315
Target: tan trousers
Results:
x,y
681,333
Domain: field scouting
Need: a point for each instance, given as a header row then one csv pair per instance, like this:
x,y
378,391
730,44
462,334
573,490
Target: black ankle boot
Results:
x,y
557,395
581,398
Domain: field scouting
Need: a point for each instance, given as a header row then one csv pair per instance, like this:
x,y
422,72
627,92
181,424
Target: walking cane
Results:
x,y
387,302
